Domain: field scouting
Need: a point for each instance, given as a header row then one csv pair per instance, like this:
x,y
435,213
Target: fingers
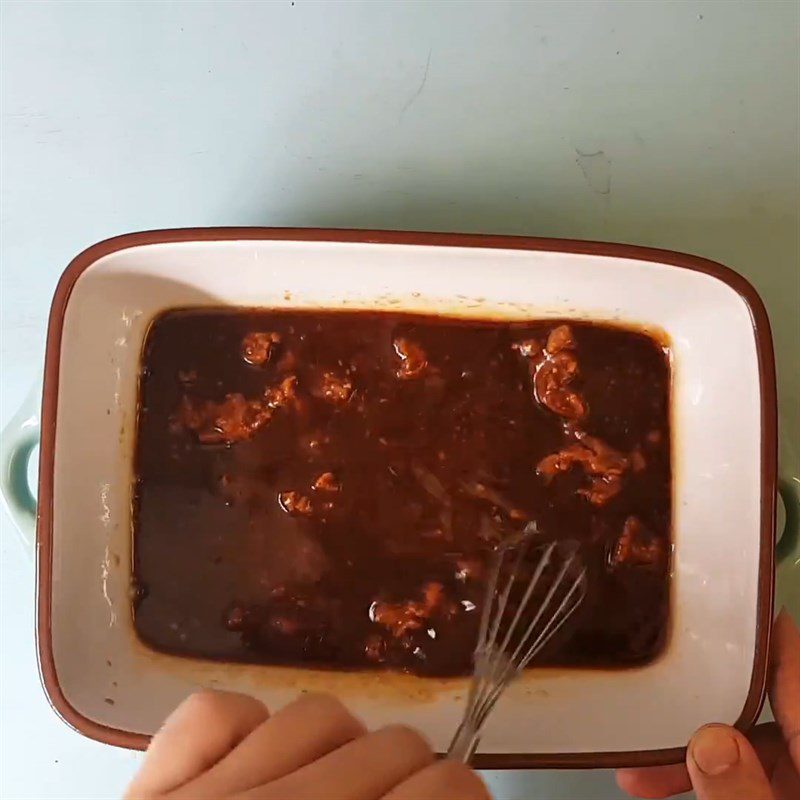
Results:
x,y
654,782
770,745
723,766
365,769
295,736
445,780
784,693
658,782
201,731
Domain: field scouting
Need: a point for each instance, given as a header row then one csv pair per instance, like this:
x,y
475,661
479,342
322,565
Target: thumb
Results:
x,y
723,766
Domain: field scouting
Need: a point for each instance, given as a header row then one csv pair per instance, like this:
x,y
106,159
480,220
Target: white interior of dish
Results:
x,y
108,676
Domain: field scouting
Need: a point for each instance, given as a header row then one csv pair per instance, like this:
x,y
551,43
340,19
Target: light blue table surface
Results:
x,y
666,124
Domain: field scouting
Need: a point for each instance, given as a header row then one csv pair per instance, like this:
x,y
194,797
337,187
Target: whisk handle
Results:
x,y
464,743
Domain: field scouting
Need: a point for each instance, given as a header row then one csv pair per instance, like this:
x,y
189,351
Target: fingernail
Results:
x,y
714,749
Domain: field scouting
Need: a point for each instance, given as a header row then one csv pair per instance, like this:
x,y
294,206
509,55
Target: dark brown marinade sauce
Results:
x,y
327,488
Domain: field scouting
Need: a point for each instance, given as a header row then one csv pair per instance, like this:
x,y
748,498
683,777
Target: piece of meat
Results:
x,y
409,615
327,483
594,455
603,458
602,489
560,338
334,388
375,648
413,360
233,419
283,395
257,347
320,505
399,618
635,547
551,383
553,369
296,504
603,465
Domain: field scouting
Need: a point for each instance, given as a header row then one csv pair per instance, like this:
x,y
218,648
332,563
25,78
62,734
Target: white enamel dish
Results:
x,y
108,685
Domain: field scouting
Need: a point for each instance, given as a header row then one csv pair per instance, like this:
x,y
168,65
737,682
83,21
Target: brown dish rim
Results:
x,y
767,386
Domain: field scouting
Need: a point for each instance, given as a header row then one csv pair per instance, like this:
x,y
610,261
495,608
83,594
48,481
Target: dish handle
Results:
x,y
18,440
789,520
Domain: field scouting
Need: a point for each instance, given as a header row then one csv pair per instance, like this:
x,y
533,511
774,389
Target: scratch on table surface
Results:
x,y
596,169
421,86
25,115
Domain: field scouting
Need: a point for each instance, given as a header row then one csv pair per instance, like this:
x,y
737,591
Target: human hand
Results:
x,y
721,764
225,745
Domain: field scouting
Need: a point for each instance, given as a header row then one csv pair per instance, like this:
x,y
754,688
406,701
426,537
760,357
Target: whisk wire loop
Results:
x,y
501,654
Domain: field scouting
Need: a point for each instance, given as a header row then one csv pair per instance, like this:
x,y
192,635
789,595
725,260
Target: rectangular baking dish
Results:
x,y
109,686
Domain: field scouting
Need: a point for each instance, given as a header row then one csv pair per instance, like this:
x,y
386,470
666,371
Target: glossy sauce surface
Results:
x,y
327,488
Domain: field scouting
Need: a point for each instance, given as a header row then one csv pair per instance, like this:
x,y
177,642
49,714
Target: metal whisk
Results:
x,y
506,646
